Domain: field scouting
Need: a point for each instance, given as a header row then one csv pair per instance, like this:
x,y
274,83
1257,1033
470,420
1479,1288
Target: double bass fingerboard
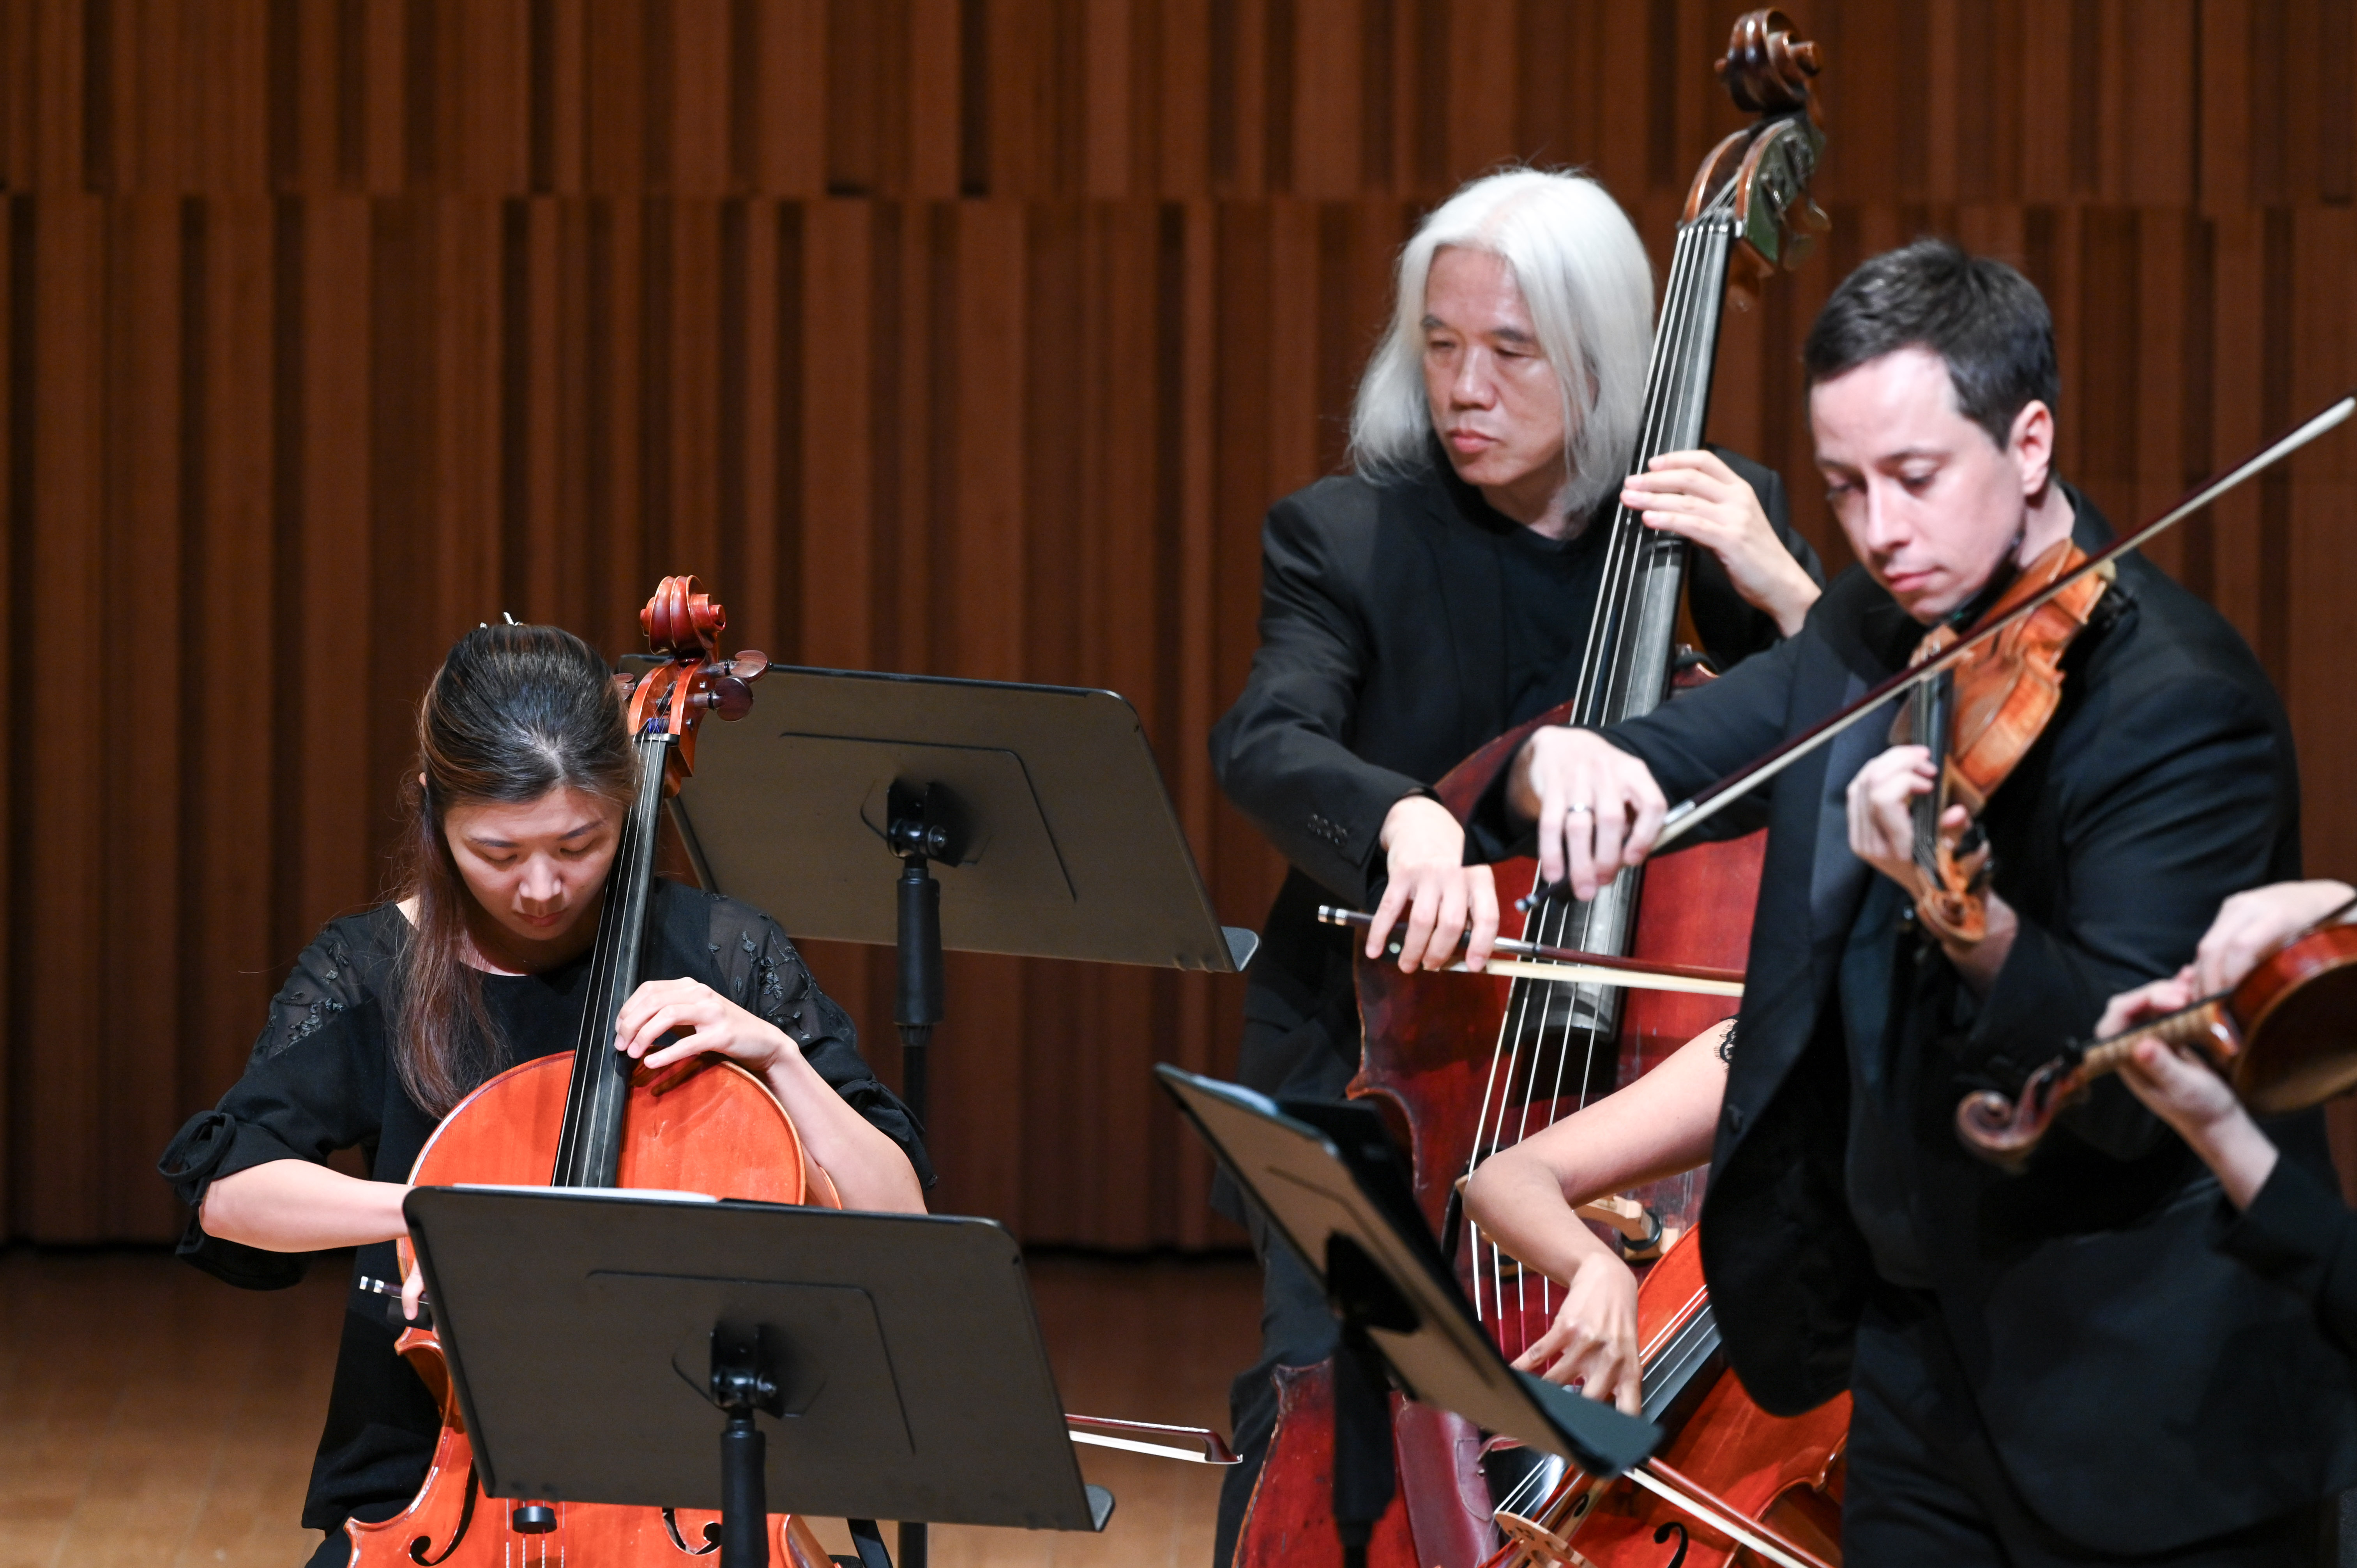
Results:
x,y
1555,1043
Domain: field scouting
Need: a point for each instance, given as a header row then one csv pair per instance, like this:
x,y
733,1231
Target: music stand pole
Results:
x,y
917,997
918,839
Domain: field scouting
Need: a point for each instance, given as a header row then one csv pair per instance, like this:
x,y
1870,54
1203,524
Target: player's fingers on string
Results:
x,y
1579,852
1540,1350
1482,886
655,1025
1387,911
1650,809
1423,909
1611,818
1554,864
1591,1368
1448,929
642,1003
1629,1395
691,1044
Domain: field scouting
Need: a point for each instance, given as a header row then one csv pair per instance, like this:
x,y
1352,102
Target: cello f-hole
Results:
x,y
466,1518
711,1536
1677,1558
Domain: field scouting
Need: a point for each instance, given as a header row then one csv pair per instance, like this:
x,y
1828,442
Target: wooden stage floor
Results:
x,y
151,1417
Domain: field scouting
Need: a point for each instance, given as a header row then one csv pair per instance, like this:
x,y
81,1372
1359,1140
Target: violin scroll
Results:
x,y
2004,1131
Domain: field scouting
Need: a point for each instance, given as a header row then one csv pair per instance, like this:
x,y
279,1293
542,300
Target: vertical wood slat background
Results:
x,y
968,336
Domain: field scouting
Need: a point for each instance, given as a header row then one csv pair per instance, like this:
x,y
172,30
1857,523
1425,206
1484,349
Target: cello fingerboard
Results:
x,y
589,1151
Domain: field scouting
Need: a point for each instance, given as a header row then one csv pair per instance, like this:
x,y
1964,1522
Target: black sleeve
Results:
x,y
761,973
1283,753
2297,1233
1732,630
2171,807
313,1084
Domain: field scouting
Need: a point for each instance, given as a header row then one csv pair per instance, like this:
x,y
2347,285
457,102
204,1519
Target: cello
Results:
x,y
1560,1045
592,1118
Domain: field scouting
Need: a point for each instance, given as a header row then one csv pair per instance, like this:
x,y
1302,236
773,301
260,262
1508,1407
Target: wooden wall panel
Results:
x,y
960,336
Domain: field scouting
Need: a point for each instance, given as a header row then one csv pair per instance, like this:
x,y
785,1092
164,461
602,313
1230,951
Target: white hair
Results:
x,y
1590,289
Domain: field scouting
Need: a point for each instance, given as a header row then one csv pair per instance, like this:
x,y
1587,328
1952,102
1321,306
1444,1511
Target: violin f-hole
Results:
x,y
1677,1558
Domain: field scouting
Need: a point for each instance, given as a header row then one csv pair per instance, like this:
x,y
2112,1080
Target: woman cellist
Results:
x,y
525,774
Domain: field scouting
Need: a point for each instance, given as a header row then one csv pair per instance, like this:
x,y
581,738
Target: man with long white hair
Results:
x,y
1436,597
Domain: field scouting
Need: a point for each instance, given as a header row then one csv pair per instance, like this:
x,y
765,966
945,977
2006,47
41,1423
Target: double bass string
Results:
x,y
1609,629
1633,561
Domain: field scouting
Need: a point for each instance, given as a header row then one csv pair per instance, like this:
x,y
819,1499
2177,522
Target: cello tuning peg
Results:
x,y
748,662
729,697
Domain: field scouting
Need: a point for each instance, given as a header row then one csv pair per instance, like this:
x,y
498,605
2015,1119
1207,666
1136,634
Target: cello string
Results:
x,y
581,1092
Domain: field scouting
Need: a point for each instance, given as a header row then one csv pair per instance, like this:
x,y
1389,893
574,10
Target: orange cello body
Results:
x,y
718,1130
1785,1472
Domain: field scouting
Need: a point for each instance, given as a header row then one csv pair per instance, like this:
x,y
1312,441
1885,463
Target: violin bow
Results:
x,y
1689,814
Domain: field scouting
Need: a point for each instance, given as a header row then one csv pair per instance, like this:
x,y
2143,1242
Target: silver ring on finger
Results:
x,y
1579,809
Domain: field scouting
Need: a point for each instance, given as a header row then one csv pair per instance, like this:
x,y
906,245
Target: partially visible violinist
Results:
x,y
523,775
2283,1219
1437,596
2056,1367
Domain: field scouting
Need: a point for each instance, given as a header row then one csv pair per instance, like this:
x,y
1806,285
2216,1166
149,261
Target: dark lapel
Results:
x,y
1878,633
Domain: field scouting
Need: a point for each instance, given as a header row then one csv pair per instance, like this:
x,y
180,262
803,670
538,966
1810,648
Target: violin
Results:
x,y
1979,718
2285,1038
1561,1040
593,1119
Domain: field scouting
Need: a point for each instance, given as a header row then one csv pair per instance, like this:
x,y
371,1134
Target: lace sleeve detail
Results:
x,y
758,969
327,980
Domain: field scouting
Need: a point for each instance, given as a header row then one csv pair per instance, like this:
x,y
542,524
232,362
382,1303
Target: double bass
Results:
x,y
1560,1045
593,1119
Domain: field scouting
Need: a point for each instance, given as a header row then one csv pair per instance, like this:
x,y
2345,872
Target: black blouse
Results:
x,y
322,1078
2300,1234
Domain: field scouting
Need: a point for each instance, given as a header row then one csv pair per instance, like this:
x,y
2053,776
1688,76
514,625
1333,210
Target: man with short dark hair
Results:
x,y
2056,1367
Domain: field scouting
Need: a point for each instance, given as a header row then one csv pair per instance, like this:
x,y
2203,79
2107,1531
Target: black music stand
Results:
x,y
834,802
1335,1188
608,1345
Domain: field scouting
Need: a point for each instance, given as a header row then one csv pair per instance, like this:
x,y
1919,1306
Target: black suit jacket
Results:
x,y
2143,1388
1381,665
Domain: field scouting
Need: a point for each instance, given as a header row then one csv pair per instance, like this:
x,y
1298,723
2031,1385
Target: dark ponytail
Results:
x,y
516,712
